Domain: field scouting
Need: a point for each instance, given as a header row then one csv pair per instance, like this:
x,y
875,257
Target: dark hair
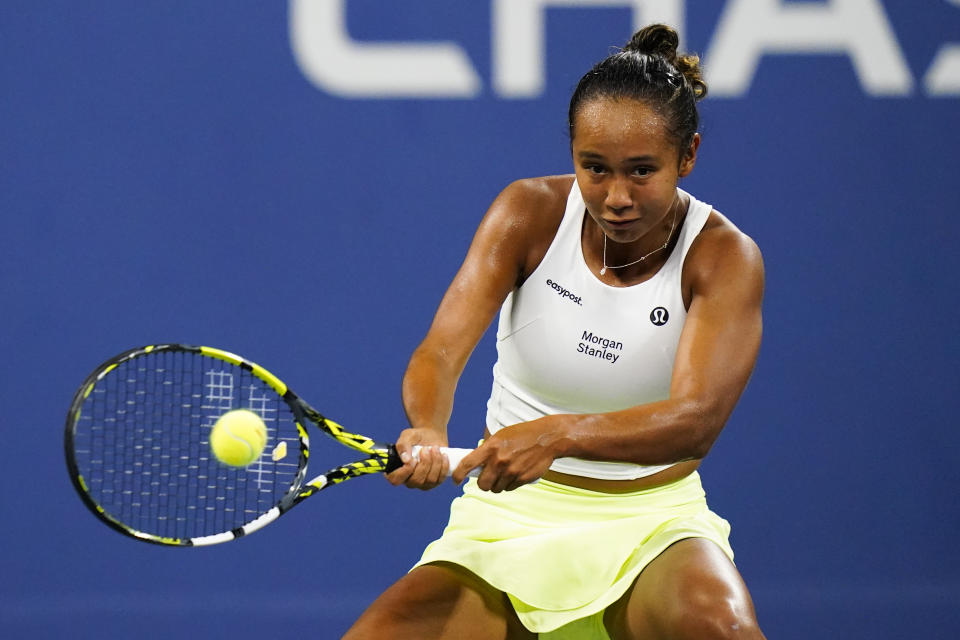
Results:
x,y
650,70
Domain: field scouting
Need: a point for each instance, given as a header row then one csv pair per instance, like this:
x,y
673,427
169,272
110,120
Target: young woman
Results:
x,y
630,320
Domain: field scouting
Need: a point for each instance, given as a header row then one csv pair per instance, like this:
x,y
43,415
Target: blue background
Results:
x,y
170,174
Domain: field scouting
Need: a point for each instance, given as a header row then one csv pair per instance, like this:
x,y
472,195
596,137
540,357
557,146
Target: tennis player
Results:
x,y
629,324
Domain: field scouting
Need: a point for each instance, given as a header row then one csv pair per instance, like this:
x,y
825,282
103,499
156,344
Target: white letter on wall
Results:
x,y
334,62
750,29
518,37
943,77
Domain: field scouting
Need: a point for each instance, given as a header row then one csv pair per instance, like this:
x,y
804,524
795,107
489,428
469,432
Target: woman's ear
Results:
x,y
689,157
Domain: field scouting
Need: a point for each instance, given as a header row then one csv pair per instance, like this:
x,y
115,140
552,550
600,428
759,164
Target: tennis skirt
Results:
x,y
563,555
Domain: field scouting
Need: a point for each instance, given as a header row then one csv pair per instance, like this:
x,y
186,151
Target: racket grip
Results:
x,y
454,456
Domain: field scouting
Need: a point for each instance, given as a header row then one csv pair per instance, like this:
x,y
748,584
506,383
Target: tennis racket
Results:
x,y
138,454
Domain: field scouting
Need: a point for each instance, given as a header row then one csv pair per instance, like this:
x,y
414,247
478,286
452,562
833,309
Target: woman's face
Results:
x,y
627,167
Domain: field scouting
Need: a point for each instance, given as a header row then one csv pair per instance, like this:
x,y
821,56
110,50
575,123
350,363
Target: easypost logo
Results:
x,y
746,32
563,292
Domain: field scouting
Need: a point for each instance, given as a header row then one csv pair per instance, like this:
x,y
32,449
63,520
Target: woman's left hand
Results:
x,y
514,456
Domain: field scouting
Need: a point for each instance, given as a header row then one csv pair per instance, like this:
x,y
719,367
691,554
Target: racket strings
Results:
x,y
142,445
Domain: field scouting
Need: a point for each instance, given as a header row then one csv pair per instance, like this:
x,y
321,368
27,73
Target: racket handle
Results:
x,y
454,456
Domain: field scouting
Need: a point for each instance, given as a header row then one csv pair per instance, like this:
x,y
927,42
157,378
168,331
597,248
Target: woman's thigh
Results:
x,y
691,590
440,601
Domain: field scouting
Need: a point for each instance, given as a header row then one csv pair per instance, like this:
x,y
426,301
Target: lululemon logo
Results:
x,y
659,316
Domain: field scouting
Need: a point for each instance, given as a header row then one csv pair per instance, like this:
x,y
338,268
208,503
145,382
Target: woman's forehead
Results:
x,y
619,121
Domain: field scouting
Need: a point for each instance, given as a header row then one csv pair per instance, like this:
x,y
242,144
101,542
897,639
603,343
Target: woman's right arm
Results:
x,y
510,241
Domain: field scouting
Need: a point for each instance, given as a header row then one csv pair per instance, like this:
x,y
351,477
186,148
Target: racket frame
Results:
x,y
380,457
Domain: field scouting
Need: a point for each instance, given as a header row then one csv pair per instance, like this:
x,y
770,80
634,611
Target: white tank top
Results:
x,y
568,343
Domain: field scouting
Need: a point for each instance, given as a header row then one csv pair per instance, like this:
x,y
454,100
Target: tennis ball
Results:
x,y
238,437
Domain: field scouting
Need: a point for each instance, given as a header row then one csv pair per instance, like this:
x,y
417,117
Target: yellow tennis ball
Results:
x,y
238,437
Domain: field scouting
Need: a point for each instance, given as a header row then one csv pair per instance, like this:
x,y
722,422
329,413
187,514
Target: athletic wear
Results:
x,y
568,343
563,554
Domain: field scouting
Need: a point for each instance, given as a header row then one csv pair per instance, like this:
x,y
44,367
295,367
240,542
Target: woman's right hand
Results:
x,y
430,469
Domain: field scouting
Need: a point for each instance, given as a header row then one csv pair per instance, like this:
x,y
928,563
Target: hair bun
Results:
x,y
656,39
661,40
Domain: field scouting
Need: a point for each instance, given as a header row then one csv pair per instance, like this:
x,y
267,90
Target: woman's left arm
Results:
x,y
723,280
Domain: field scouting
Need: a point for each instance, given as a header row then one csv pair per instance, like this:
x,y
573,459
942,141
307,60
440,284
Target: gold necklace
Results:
x,y
630,264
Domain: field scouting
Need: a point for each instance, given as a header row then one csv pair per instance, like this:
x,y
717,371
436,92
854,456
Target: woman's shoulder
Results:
x,y
541,195
720,250
533,207
722,237
528,213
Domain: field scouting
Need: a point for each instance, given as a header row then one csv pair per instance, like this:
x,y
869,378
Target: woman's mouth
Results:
x,y
620,224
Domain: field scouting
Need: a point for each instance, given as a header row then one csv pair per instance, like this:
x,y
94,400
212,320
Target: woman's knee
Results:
x,y
702,612
437,601
691,591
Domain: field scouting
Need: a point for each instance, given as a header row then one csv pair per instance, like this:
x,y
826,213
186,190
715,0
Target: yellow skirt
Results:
x,y
562,554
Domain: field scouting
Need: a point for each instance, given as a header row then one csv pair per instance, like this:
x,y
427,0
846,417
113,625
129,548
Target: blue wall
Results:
x,y
184,172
